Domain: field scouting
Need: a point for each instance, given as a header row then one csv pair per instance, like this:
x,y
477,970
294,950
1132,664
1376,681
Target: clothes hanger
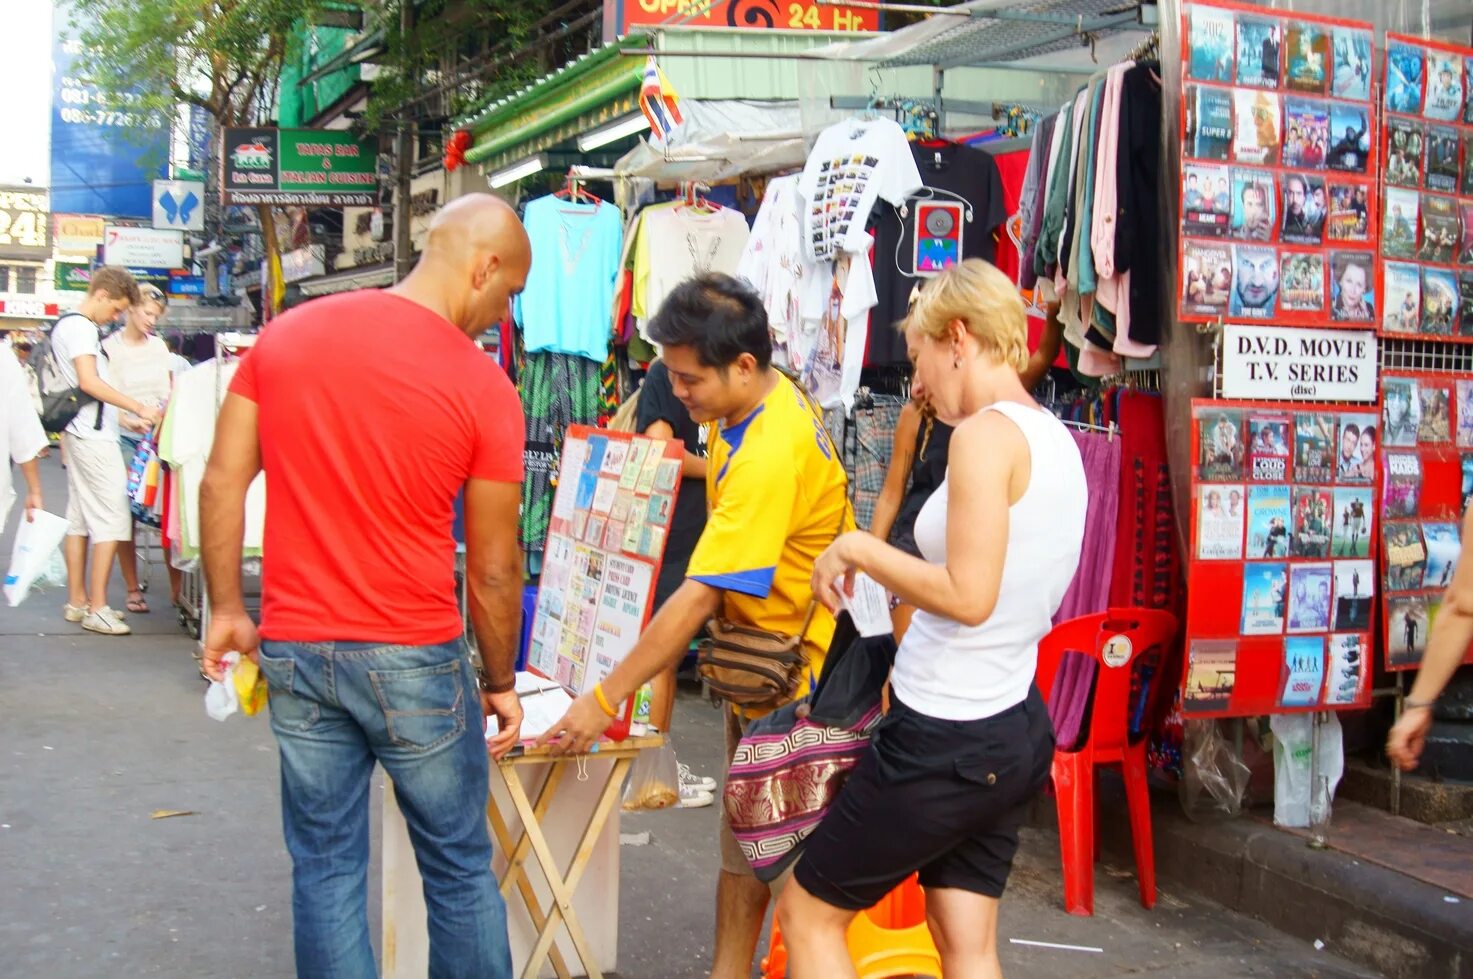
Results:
x,y
572,191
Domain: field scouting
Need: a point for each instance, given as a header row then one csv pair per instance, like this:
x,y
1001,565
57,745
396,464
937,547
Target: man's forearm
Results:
x,y
100,390
221,539
496,616
31,470
693,466
665,640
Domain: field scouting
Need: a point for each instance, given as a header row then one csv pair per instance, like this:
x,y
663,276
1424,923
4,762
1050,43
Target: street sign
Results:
x,y
31,309
25,223
178,205
72,276
78,234
624,17
147,247
312,167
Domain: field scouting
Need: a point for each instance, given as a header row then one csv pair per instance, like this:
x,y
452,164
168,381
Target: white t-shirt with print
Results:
x,y
73,336
828,353
685,242
853,165
774,263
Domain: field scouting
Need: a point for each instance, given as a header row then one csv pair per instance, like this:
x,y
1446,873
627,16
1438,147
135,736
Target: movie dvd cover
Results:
x,y
1206,201
1466,464
1302,282
1309,597
1465,214
1465,180
1402,310
1268,522
1306,57
1399,223
1255,205
1434,405
1441,229
1439,302
1402,495
1259,39
1406,556
1212,667
1221,517
1465,304
1352,287
1207,278
1268,448
1404,64
1406,630
1255,282
1210,44
1220,438
1400,410
1444,86
1353,522
1355,459
1406,145
1443,547
1350,137
1350,212
1305,207
1314,447
1355,587
1303,674
1309,534
1463,391
1346,671
1306,133
1210,123
1444,149
1263,600
1257,132
1351,72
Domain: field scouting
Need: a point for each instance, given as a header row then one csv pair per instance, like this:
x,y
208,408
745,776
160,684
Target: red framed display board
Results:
x,y
1427,459
1426,279
1279,168
610,513
1280,573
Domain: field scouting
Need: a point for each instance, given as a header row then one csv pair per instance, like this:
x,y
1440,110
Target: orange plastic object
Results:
x,y
1108,743
890,939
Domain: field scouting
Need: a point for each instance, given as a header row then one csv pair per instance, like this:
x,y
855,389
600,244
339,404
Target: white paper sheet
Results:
x,y
869,607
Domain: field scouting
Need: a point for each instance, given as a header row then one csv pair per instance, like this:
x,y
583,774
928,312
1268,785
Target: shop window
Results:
x,y
25,280
4,278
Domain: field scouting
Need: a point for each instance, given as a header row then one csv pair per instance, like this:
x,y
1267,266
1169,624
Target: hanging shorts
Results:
x,y
945,798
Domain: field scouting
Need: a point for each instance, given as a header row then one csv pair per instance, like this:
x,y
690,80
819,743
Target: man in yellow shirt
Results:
x,y
778,497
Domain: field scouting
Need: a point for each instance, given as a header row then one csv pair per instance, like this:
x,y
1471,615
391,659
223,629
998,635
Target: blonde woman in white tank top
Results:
x,y
967,743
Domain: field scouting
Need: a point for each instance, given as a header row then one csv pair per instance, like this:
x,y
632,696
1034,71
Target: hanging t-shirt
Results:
x,y
853,165
678,243
951,230
828,352
570,290
773,263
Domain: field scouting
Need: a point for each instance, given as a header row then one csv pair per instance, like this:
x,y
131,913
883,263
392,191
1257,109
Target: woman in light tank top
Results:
x,y
967,743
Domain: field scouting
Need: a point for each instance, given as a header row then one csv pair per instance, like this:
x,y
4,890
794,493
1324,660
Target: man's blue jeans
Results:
x,y
336,708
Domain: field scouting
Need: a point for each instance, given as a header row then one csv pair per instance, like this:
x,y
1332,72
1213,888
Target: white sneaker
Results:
x,y
694,798
105,622
74,613
690,780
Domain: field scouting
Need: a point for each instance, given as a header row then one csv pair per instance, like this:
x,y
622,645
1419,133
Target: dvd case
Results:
x,y
1220,436
1263,600
1314,447
1221,516
1268,522
1302,282
1312,517
1351,71
1268,448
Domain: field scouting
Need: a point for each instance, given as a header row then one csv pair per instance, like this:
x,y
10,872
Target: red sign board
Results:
x,y
33,309
622,16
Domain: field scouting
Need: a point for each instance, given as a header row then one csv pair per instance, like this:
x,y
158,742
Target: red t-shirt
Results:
x,y
374,412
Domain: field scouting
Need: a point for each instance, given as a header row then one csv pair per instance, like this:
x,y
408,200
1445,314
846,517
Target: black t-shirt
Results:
x,y
964,171
657,402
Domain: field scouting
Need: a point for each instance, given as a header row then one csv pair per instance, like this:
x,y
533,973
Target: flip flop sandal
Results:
x,y
139,605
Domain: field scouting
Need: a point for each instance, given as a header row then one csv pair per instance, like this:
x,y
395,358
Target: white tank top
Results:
x,y
961,673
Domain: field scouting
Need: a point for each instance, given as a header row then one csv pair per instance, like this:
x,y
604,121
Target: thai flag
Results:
x,y
658,101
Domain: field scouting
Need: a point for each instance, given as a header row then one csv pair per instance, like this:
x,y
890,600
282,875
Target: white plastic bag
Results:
x,y
36,558
1294,770
221,700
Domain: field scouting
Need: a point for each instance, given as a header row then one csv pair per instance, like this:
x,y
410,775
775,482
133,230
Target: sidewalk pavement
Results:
x,y
99,734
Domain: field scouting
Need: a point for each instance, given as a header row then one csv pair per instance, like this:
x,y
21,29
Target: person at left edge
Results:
x,y
363,652
24,437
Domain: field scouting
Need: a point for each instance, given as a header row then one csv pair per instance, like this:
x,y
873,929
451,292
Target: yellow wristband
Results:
x,y
603,701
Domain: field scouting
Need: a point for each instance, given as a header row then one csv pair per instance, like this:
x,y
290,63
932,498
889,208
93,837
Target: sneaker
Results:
x,y
688,779
694,798
106,622
74,613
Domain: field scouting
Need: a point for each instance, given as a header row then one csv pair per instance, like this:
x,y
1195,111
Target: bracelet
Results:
x,y
1410,704
603,700
484,682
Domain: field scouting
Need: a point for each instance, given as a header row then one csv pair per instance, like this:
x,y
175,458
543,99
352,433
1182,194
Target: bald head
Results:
x,y
478,255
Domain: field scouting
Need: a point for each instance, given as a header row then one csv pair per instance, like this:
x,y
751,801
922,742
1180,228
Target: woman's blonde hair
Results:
x,y
150,293
984,300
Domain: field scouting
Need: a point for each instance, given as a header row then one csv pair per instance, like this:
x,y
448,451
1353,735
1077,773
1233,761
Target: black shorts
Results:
x,y
946,798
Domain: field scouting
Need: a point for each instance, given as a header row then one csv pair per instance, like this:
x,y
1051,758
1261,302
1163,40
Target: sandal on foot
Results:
x,y
139,605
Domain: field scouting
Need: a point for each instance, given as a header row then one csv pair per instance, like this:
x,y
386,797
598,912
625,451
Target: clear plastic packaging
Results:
x,y
654,780
1214,780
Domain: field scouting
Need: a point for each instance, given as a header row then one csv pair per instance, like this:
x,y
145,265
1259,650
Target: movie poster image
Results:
x,y
1353,519
1400,223
1309,597
1441,229
1255,282
1355,588
1305,207
1310,534
1306,57
1465,182
1350,212
1400,410
1443,548
1406,630
1302,282
1350,137
1464,392
1306,133
1468,89
1304,671
1255,205
1439,303
1258,51
1466,464
1210,39
1207,278
1207,202
1268,448
1355,453
1351,60
1352,287
1314,447
1221,515
1406,557
1434,425
1404,65
1345,671
1268,522
1403,492
1220,437
1406,145
1257,132
1210,123
1465,214
1444,152
1263,599
1444,86
1465,304
1212,666
1402,311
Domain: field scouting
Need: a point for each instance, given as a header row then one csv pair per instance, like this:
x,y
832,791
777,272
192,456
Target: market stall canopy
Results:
x,y
722,139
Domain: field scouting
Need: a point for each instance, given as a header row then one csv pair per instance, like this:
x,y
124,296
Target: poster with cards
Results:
x,y
1286,103
1427,195
606,539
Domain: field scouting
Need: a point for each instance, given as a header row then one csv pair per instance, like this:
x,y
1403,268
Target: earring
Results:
x,y
956,362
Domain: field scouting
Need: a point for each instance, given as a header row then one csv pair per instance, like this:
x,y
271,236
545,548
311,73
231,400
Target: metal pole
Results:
x,y
1396,769
1318,824
403,243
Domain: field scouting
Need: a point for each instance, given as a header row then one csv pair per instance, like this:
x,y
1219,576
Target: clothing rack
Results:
x,y
1148,49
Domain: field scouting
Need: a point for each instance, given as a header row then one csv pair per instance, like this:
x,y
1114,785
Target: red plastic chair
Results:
x,y
1107,743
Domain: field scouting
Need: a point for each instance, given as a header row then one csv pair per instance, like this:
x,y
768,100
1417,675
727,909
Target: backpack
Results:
x,y
60,401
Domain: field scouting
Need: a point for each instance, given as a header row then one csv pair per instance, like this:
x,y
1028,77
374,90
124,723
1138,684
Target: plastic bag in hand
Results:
x,y
654,780
36,557
222,700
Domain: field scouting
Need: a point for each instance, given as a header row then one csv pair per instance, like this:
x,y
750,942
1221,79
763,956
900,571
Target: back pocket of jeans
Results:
x,y
289,710
423,707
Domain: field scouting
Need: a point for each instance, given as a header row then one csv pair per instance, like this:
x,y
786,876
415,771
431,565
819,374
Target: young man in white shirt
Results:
x,y
97,479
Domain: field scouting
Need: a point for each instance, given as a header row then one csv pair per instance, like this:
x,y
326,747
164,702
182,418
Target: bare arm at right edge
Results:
x,y
897,477
1447,644
493,566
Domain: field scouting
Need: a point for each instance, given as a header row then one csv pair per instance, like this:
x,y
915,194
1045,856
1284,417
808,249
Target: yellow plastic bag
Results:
x,y
250,687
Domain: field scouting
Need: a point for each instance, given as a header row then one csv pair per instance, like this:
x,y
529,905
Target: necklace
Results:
x,y
573,254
